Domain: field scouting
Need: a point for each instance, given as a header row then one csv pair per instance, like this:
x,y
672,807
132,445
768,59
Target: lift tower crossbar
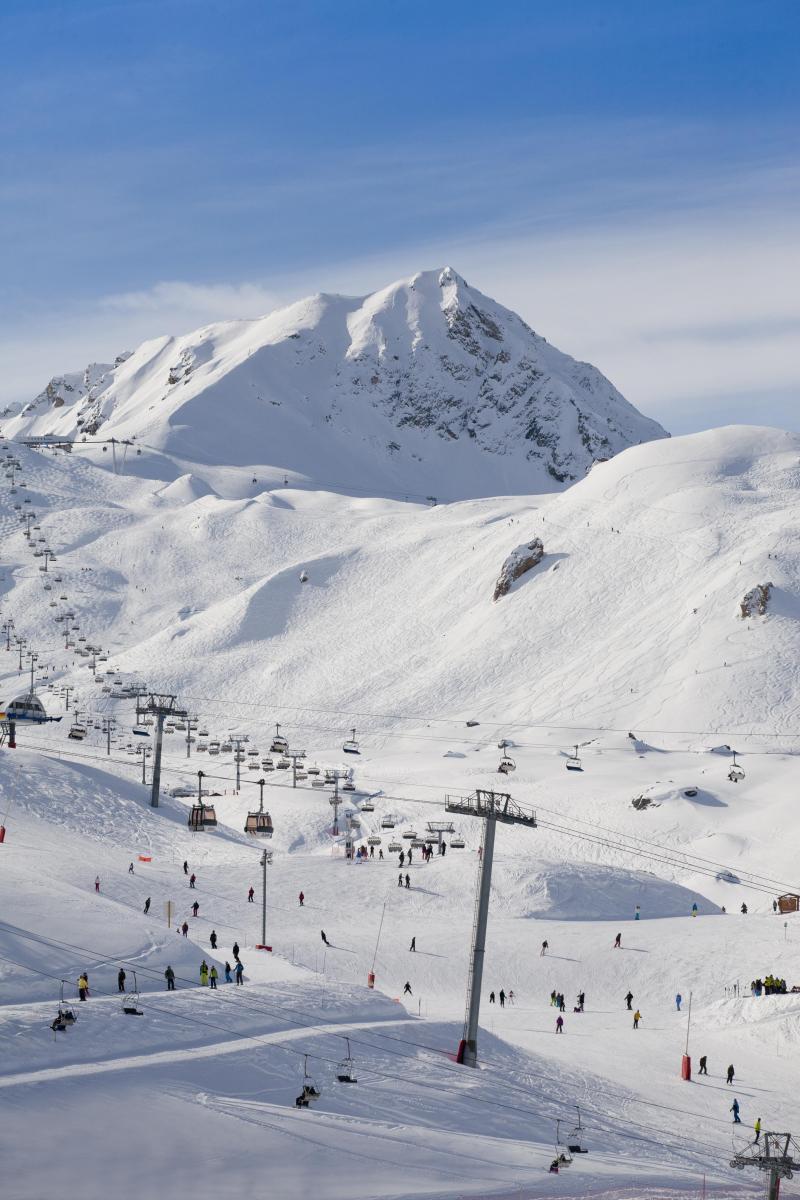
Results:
x,y
491,807
773,1156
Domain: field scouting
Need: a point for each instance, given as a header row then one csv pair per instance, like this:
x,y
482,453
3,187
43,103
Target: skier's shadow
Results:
x,y
428,954
560,958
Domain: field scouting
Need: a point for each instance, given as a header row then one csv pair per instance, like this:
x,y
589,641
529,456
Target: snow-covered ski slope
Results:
x,y
426,386
631,624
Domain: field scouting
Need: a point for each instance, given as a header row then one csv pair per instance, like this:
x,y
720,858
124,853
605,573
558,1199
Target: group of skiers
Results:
x,y
770,985
502,996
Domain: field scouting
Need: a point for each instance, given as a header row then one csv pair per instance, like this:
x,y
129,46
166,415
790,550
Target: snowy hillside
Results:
x,y
427,387
658,631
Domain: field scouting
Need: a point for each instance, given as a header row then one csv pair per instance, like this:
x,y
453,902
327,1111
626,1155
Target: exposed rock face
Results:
x,y
520,560
755,601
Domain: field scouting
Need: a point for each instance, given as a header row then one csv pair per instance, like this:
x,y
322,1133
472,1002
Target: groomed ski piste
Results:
x,y
626,641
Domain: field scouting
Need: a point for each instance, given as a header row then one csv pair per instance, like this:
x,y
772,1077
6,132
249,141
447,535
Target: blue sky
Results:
x,y
624,174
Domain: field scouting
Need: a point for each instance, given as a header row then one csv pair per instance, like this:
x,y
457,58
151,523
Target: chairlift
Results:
x,y
457,843
330,775
226,747
130,1001
310,1091
252,753
736,773
410,835
348,786
313,770
279,744
367,806
202,733
563,1157
394,847
254,766
387,822
373,840
345,1072
282,764
64,1016
140,731
351,745
417,844
573,762
318,783
575,1139
507,764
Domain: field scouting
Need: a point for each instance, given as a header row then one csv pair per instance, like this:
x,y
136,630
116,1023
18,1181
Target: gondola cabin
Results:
x,y
258,824
789,902
202,816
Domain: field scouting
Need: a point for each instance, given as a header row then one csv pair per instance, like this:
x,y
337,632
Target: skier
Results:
x,y
372,851
637,914
562,1004
212,937
703,1069
743,910
400,879
581,1001
147,906
559,1024
380,855
628,999
83,986
694,910
228,976
130,869
213,975
121,980
324,938
185,929
734,1108
678,1000
502,996
192,880
239,972
97,883
544,949
637,1016
730,1074
491,997
553,997
301,898
774,906
251,893
407,989
618,942
236,951
196,908
402,858
408,881
511,996
186,868
757,1130
413,945
444,848
169,975
204,973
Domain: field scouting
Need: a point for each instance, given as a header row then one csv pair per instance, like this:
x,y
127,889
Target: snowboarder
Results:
x,y
169,975
502,997
407,989
301,898
186,868
97,883
757,1130
192,880
196,908
239,972
703,1069
637,1016
130,869
628,1000
734,1108
678,1001
544,949
235,949
185,929
121,980
212,937
730,1074
413,945
324,937
204,973
491,997
147,906
400,879
408,881
228,976
213,975
251,893
618,942
559,1024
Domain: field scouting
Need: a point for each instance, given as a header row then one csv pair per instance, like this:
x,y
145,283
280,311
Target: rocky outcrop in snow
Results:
x,y
755,601
520,560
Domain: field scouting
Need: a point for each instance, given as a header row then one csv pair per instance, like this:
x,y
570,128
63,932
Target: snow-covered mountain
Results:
x,y
425,387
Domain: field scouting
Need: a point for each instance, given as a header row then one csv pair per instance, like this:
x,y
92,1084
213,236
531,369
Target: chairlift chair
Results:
x,y
130,1001
507,764
318,783
64,1016
313,770
279,744
387,822
310,1092
573,762
410,835
394,847
283,764
367,806
736,773
351,745
140,731
254,766
345,1072
457,843
575,1140
373,840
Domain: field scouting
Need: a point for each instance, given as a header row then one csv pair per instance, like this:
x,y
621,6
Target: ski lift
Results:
x,y
310,1091
575,1139
351,745
313,770
507,764
417,844
201,817
736,773
457,843
254,766
252,753
130,1002
267,764
259,824
387,822
410,835
213,750
226,747
330,775
304,576
283,764
367,806
394,847
65,1016
202,733
563,1157
573,762
373,840
140,731
345,1072
279,744
347,786
318,783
